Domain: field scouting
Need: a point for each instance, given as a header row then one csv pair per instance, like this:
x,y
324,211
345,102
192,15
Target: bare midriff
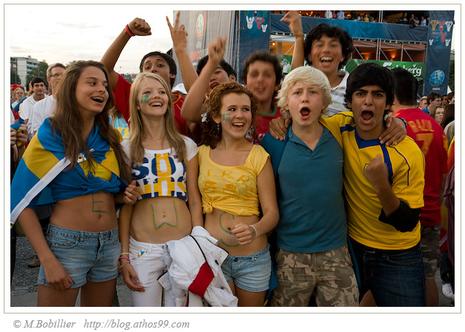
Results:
x,y
89,213
161,219
220,225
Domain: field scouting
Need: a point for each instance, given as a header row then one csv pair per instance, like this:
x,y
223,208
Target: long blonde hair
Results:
x,y
136,129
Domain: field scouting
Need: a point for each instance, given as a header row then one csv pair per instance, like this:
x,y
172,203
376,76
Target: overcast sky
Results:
x,y
62,33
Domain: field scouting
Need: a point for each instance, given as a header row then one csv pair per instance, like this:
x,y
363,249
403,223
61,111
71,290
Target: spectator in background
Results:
x,y
327,48
155,62
413,21
18,96
423,102
438,114
423,21
328,14
38,87
433,100
448,122
46,107
429,136
340,15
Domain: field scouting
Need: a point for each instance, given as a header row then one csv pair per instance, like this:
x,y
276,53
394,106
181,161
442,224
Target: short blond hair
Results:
x,y
309,75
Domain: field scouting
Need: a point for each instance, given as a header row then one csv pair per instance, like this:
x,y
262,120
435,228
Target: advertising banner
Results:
x,y
438,52
254,33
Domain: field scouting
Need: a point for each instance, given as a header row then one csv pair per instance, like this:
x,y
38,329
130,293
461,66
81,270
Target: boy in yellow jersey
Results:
x,y
384,193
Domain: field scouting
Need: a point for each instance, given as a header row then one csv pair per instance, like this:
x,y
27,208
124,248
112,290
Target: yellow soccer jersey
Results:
x,y
405,164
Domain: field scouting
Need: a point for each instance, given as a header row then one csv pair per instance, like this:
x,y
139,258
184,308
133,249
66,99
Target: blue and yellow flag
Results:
x,y
44,159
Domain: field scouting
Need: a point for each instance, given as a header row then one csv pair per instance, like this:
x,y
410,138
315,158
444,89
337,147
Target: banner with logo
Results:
x,y
439,40
254,33
416,68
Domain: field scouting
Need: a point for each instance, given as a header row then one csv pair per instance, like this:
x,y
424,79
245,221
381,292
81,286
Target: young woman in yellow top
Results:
x,y
238,193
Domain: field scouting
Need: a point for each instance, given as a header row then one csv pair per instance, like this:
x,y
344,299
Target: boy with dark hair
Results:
x,y
155,62
434,100
226,67
38,86
429,136
327,48
384,192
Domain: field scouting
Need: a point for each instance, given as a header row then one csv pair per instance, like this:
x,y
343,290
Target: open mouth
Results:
x,y
238,124
213,84
326,59
305,111
156,104
367,115
97,99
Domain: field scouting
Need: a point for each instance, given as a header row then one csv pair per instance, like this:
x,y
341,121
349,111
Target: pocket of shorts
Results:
x,y
63,242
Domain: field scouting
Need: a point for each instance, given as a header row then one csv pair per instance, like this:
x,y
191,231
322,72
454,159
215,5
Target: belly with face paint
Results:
x,y
221,224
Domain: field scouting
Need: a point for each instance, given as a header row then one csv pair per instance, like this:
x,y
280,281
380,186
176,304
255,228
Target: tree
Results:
x,y
39,71
14,78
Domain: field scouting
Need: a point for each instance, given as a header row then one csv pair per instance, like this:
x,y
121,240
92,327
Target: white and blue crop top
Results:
x,y
161,174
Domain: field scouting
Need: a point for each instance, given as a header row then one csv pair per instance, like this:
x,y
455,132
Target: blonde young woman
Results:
x,y
238,193
164,164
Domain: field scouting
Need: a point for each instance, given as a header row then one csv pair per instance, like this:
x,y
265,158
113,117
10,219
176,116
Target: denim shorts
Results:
x,y
86,256
250,273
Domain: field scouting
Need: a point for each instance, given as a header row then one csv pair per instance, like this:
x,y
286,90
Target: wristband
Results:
x,y
403,121
254,230
128,31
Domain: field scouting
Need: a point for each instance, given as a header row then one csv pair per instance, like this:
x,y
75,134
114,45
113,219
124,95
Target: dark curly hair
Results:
x,y
211,131
324,29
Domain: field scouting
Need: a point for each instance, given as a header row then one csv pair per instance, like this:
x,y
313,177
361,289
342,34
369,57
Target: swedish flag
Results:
x,y
44,159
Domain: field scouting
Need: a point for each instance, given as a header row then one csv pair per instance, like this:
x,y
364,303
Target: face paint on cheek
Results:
x,y
225,117
144,99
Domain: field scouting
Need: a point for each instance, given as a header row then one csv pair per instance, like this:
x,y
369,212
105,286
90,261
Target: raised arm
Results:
x,y
395,212
179,38
294,20
137,27
191,109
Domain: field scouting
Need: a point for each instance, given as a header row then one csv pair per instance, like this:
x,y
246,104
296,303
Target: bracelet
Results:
x,y
120,267
128,31
254,230
403,121
124,253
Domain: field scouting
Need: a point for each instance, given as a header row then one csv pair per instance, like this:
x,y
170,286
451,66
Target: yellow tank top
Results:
x,y
232,189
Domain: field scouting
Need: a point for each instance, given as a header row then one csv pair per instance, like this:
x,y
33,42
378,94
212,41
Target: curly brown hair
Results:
x,y
211,131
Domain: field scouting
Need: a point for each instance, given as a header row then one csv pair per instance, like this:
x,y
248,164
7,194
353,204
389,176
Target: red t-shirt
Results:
x,y
121,97
429,136
262,122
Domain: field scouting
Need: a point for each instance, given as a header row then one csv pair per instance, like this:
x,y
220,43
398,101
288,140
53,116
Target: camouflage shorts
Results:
x,y
430,249
329,275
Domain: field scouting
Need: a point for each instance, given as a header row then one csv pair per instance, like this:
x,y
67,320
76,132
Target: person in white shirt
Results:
x,y
38,93
46,107
327,48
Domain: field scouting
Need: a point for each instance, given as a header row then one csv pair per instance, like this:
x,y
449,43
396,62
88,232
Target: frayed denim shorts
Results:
x,y
250,273
86,256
